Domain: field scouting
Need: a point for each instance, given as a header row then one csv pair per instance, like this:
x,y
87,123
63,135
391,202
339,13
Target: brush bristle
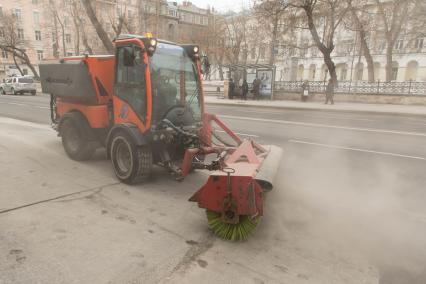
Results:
x,y
232,232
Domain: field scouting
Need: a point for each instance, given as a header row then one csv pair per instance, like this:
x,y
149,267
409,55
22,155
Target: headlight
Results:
x,y
153,42
196,49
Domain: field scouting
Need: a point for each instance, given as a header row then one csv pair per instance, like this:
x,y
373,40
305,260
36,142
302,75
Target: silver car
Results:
x,y
18,85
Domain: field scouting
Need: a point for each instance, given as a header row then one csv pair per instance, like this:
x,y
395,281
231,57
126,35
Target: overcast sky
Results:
x,y
222,5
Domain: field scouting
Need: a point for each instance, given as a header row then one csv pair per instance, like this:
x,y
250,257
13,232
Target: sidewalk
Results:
x,y
338,107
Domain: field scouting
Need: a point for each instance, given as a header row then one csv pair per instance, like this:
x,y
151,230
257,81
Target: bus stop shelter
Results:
x,y
264,72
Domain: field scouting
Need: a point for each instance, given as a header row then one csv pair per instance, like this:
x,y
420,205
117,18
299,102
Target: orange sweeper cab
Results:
x,y
145,106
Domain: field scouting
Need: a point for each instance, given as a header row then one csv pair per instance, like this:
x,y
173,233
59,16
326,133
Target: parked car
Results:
x,y
18,85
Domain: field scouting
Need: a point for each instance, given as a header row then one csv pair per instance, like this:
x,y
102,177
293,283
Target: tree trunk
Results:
x,y
367,55
221,72
273,41
325,50
331,67
389,55
24,57
56,43
17,65
98,27
63,39
77,36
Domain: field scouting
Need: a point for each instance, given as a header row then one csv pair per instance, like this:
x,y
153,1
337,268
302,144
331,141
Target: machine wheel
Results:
x,y
131,163
232,232
76,142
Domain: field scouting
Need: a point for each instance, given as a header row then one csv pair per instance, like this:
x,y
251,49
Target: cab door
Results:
x,y
130,100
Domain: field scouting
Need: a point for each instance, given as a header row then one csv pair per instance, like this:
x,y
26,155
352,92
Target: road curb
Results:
x,y
320,110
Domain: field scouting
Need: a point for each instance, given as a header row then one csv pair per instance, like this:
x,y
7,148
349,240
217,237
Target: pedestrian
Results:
x,y
231,89
305,91
245,89
256,88
329,92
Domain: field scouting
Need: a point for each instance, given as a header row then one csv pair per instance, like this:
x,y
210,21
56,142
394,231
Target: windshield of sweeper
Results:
x,y
174,81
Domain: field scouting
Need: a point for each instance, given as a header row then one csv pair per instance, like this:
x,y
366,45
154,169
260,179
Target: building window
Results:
x,y
68,38
253,53
2,32
40,55
36,16
4,54
69,53
399,44
37,35
53,37
419,43
20,33
17,13
129,14
262,52
1,11
381,46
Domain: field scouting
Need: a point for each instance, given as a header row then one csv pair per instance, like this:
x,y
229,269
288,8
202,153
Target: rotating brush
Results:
x,y
232,232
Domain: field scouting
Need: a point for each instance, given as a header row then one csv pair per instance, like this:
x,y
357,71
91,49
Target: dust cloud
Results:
x,y
373,210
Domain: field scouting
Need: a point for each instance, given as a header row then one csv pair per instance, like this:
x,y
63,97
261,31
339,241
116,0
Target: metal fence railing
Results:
x,y
358,87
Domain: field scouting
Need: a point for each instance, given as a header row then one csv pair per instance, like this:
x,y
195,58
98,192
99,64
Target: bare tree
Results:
x,y
332,13
58,19
235,28
103,35
14,44
269,14
77,12
393,15
360,21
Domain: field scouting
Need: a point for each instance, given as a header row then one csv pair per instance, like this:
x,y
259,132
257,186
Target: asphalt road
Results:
x,y
354,181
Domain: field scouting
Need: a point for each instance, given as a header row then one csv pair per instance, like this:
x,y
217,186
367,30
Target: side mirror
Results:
x,y
129,57
205,65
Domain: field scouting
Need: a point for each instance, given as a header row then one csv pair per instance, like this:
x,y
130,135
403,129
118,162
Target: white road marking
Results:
x,y
314,116
325,125
356,149
25,105
242,134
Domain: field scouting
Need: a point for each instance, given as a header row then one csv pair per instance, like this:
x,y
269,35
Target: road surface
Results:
x,y
351,182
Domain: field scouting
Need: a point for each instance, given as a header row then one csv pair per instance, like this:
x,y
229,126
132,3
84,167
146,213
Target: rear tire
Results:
x,y
131,163
75,140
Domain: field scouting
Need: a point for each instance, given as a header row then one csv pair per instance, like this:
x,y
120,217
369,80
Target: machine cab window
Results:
x,y
130,79
175,84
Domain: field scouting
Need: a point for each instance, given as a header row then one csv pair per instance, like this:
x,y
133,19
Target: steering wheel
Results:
x,y
179,115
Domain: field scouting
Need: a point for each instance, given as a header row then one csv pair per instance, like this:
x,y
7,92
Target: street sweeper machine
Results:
x,y
145,105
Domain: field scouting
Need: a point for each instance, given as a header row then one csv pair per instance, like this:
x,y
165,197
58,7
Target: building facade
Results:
x,y
51,29
297,57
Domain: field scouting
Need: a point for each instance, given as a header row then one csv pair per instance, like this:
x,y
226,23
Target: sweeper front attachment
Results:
x,y
234,194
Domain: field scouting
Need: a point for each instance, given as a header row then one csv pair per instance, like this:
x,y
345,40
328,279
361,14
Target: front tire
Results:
x,y
75,141
131,163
